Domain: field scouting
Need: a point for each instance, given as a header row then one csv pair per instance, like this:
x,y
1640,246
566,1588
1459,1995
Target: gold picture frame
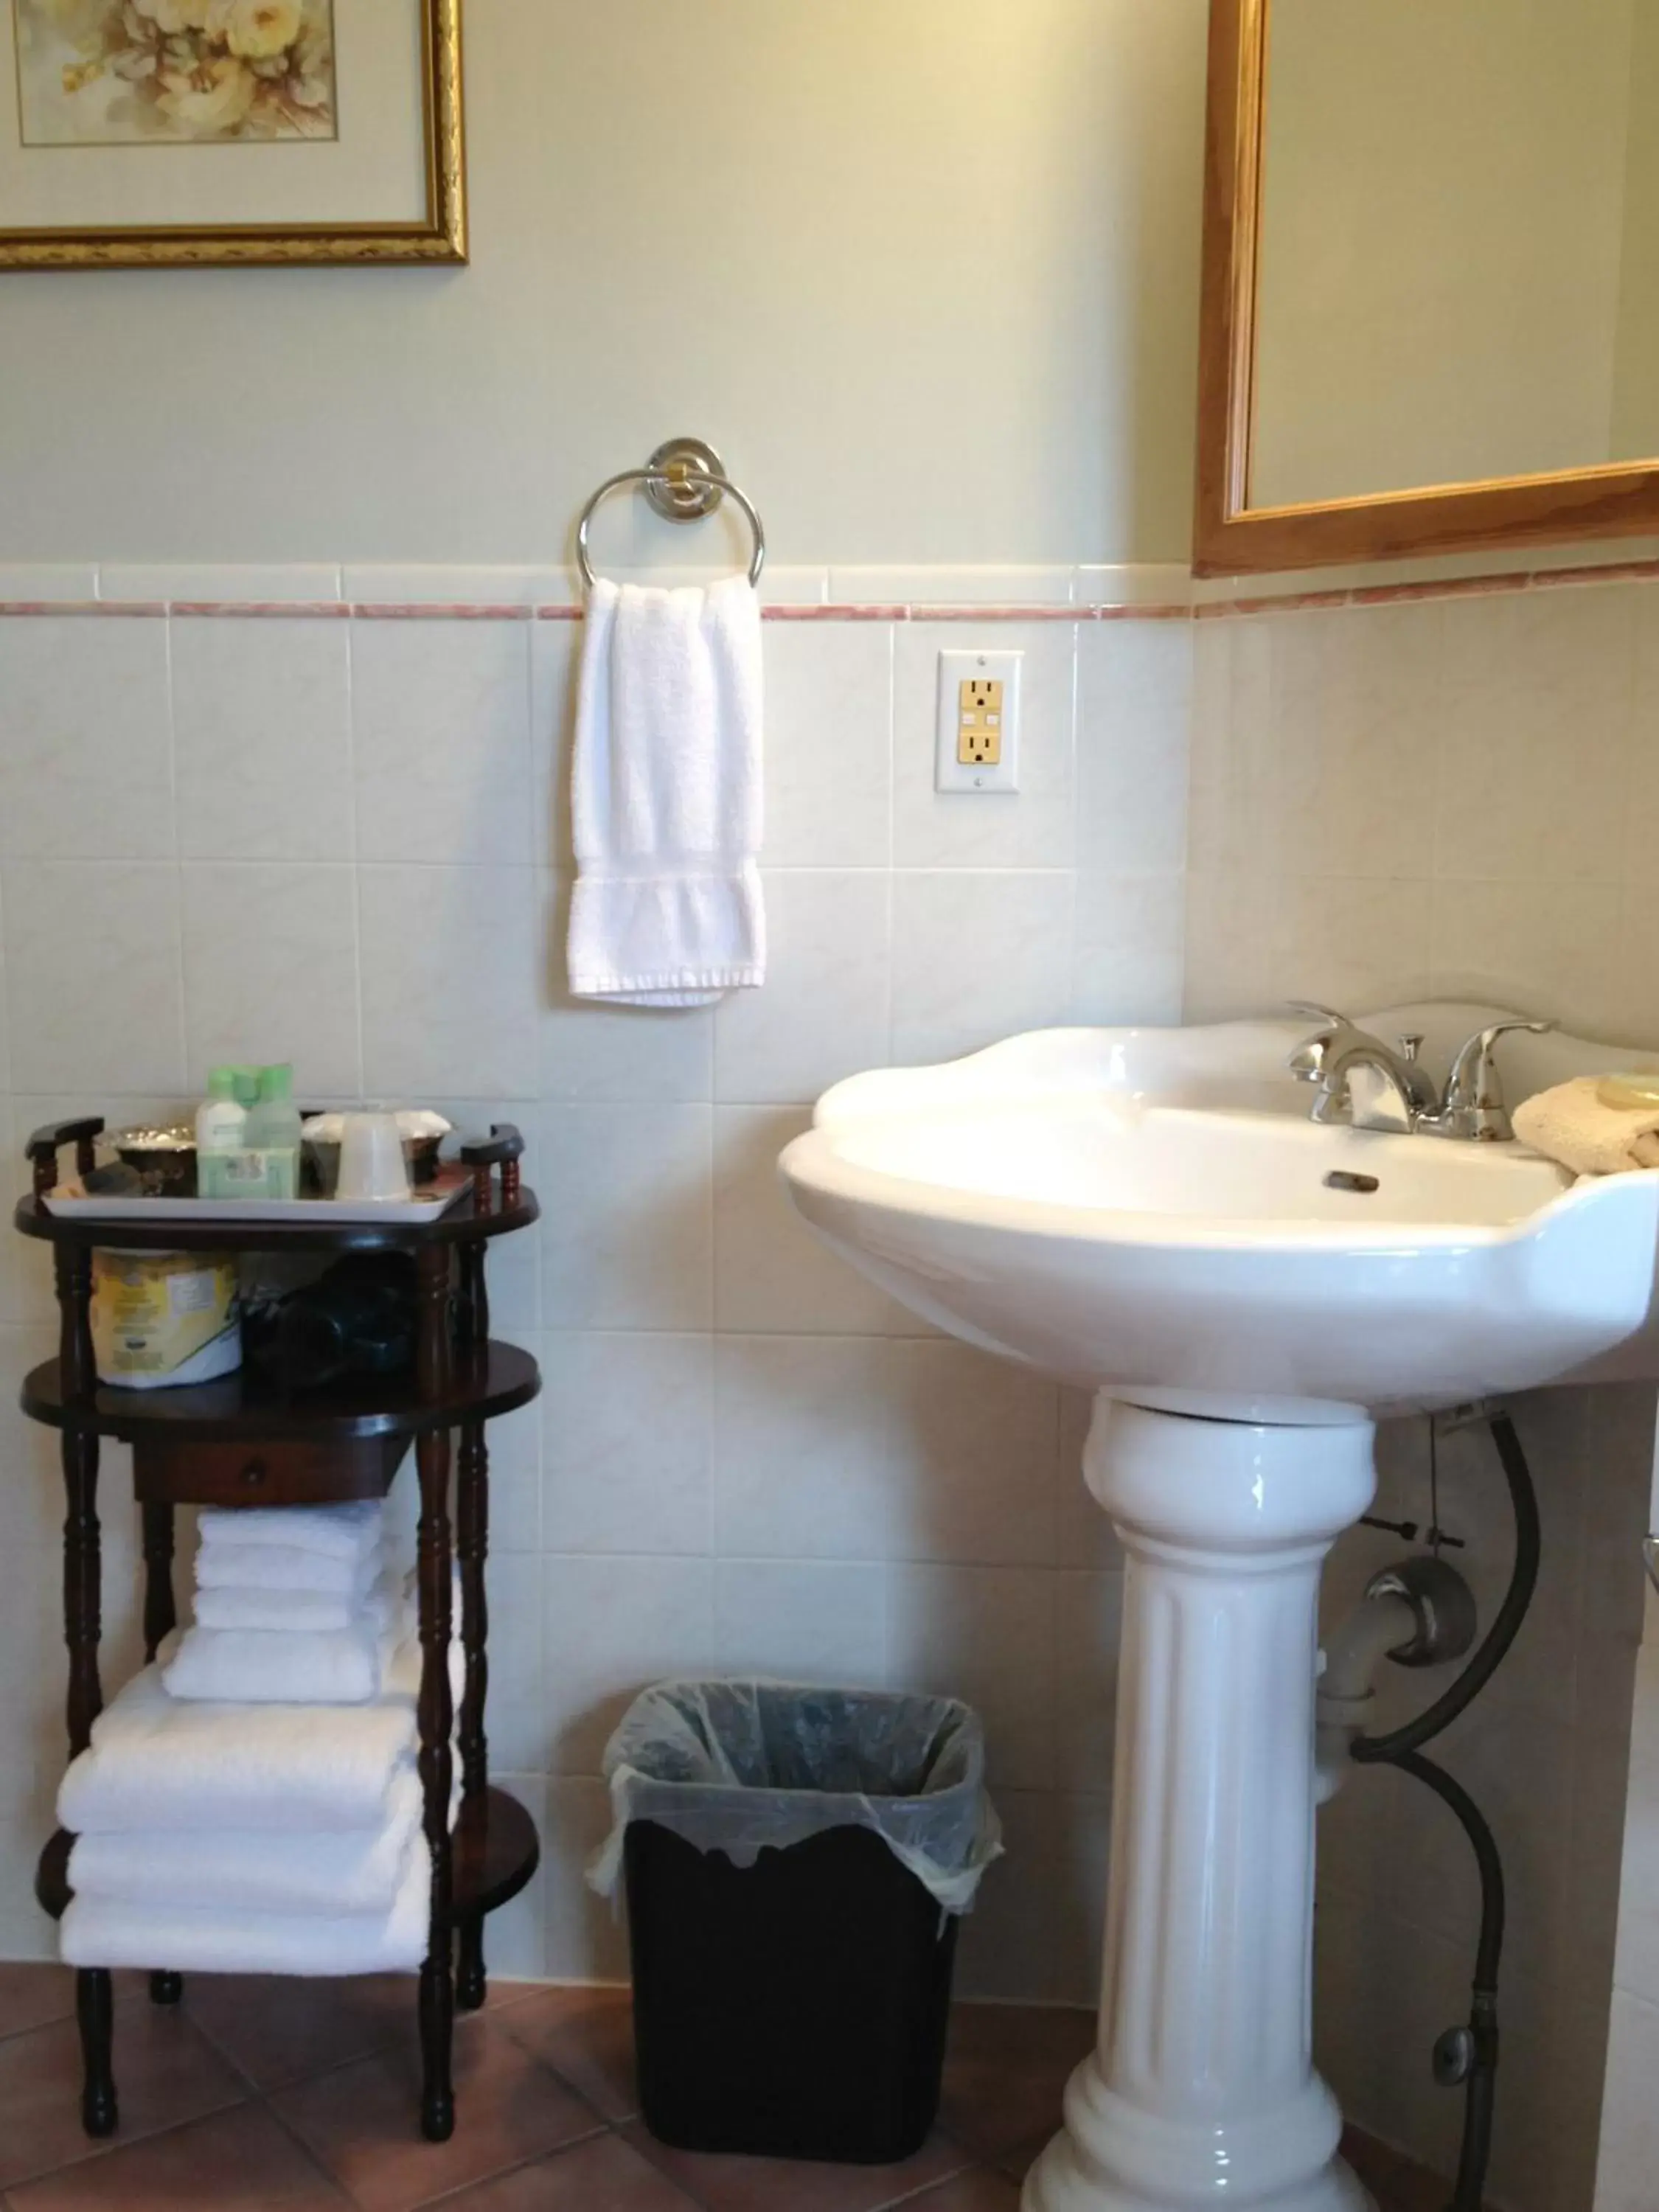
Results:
x,y
439,234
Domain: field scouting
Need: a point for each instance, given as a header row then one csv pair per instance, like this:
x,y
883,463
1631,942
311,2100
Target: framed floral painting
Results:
x,y
154,133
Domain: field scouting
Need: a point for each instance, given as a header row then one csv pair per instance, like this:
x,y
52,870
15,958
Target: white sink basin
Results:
x,y
1153,1213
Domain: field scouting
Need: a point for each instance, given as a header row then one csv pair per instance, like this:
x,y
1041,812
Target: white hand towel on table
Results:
x,y
337,1532
189,1939
1572,1126
159,1762
233,1605
285,1567
666,797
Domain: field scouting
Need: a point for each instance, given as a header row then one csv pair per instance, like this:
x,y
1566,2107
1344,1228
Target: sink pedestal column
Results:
x,y
1201,2091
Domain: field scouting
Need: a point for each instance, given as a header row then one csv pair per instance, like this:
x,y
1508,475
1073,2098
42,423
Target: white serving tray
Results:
x,y
435,1199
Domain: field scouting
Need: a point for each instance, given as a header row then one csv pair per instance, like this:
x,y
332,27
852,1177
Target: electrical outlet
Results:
x,y
978,736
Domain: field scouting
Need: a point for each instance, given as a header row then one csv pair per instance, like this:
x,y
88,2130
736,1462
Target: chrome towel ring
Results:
x,y
684,480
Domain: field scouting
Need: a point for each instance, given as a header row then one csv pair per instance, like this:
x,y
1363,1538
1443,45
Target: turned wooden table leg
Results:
x,y
434,1713
473,1545
83,1608
95,2013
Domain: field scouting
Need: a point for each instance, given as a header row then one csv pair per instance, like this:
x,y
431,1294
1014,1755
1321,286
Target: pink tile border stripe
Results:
x,y
1266,603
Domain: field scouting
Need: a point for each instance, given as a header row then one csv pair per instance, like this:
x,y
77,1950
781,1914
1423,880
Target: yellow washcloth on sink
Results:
x,y
1573,1125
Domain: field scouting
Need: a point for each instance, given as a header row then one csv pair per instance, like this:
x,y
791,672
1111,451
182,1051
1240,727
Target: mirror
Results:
x,y
1431,277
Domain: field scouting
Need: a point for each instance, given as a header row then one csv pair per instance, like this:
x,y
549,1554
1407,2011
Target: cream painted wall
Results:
x,y
1405,345
1636,358
925,269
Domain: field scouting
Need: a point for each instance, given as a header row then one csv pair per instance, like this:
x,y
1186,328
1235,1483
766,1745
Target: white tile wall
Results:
x,y
346,841
1630,2134
1451,798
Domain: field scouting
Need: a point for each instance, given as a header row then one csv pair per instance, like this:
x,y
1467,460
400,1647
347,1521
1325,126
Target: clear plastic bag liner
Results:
x,y
739,1767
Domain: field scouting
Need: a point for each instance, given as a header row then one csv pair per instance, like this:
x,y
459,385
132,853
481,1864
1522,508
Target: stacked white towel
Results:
x,y
251,1802
294,1605
269,1839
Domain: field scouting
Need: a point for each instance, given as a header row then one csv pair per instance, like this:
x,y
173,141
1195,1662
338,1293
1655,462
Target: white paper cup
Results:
x,y
372,1162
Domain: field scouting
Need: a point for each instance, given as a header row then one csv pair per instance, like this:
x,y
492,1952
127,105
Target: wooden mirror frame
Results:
x,y
1231,537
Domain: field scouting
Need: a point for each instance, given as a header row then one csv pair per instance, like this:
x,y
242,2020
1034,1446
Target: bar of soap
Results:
x,y
1630,1091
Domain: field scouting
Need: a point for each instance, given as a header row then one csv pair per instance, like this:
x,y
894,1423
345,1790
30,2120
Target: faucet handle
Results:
x,y
1411,1046
1474,1096
1307,1062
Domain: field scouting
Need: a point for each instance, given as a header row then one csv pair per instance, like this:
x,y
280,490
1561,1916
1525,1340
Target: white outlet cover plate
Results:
x,y
956,669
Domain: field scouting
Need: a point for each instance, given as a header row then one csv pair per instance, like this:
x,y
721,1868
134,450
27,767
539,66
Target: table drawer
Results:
x,y
283,1473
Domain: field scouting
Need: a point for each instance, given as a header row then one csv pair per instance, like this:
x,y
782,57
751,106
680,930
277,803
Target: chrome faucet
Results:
x,y
1381,1088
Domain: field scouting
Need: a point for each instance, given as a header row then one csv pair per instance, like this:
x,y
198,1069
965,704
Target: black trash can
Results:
x,y
796,1861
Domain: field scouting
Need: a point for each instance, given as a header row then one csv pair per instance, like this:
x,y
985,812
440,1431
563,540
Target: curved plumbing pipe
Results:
x,y
1382,1622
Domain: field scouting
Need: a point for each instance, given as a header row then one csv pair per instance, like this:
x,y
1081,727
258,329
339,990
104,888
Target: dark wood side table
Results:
x,y
239,1442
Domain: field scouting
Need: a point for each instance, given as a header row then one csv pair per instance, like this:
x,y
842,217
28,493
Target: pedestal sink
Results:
x,y
1150,1213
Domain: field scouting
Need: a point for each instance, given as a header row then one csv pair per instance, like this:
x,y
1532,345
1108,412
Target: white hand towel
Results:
x,y
272,1666
339,1532
285,1567
158,1762
300,1612
1571,1125
666,797
228,1869
100,1932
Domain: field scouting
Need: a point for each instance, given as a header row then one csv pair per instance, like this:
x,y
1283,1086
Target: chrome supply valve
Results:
x,y
1380,1087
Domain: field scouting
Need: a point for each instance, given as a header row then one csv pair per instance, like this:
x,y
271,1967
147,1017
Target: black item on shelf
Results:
x,y
797,2006
356,1319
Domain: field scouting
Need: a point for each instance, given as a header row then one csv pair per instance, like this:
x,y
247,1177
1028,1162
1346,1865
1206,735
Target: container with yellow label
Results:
x,y
160,1320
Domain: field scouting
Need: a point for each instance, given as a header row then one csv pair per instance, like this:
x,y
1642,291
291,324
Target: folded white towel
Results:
x,y
232,1605
403,1673
1571,1126
339,1532
285,1567
666,797
227,1870
159,1762
274,1667
109,1932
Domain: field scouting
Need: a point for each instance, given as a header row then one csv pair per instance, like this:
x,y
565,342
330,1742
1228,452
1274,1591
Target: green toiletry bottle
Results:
x,y
273,1135
220,1135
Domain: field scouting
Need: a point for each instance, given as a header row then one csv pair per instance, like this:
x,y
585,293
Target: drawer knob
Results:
x,y
253,1474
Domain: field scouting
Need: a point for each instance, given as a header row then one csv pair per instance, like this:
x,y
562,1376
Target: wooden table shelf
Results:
x,y
241,1440
243,1407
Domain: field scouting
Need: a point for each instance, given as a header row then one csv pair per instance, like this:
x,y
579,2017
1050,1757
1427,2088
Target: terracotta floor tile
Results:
x,y
33,1993
237,2162
781,2185
1018,2161
279,2028
604,2175
587,2036
166,2072
363,2122
499,1995
1006,2072
1413,2188
1373,2162
980,2191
